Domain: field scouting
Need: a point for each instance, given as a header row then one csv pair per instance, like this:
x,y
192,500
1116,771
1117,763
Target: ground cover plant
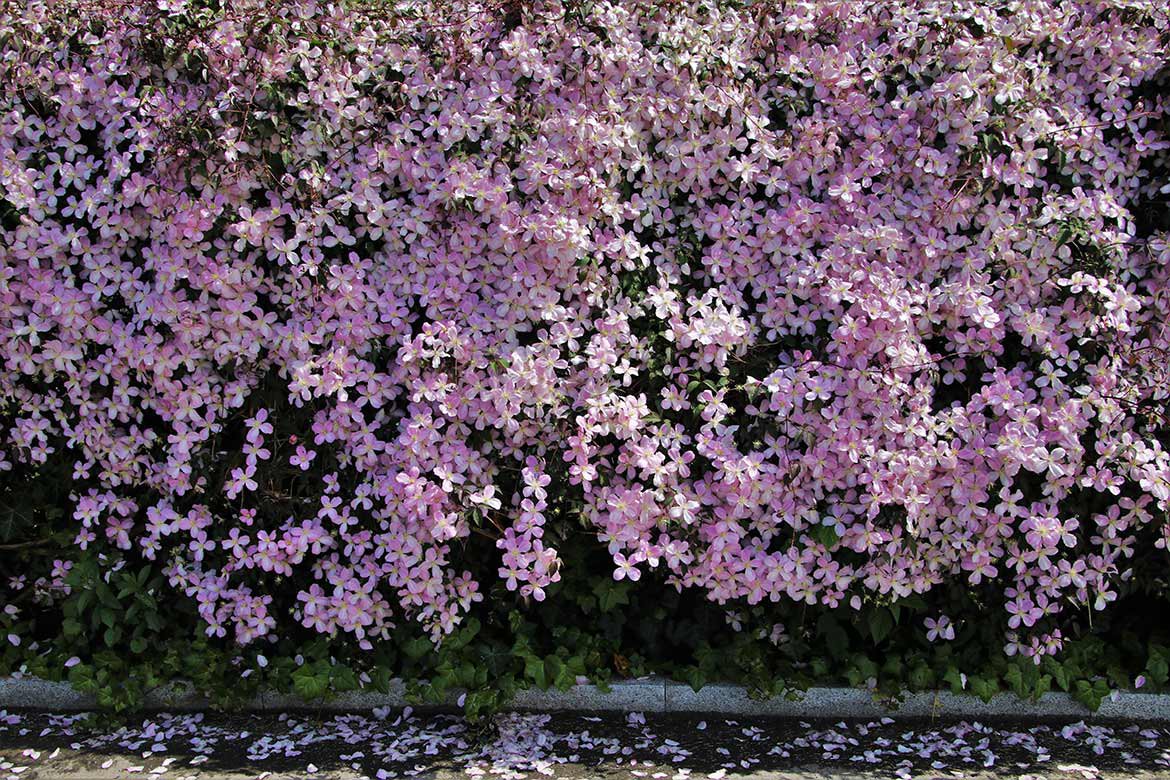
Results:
x,y
506,344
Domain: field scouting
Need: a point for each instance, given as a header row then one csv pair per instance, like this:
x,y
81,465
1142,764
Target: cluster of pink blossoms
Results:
x,y
829,302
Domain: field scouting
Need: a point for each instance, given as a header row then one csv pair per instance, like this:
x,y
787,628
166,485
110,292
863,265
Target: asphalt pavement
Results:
x,y
393,744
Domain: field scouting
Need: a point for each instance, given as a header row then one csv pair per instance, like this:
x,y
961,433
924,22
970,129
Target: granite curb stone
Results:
x,y
641,695
839,702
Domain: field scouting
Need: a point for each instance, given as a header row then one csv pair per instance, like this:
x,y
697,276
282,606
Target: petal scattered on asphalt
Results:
x,y
398,744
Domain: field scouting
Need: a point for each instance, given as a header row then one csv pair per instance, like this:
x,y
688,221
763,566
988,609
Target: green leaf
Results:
x,y
576,664
836,640
496,659
558,674
921,677
417,648
344,678
611,594
476,702
309,684
881,623
1157,668
825,534
464,635
1015,679
1091,693
84,599
106,595
380,679
984,688
535,671
81,678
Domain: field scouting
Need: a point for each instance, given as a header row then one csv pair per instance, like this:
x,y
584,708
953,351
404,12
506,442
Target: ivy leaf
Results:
x,y
1091,693
1061,676
534,669
344,679
611,594
1157,667
558,674
576,665
463,636
380,679
417,648
984,688
921,677
956,680
309,684
496,659
696,678
1015,679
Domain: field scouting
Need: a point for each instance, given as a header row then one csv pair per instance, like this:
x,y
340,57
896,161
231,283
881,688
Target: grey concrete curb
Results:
x,y
645,695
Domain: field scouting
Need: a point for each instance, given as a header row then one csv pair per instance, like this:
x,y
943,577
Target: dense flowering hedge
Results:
x,y
343,317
